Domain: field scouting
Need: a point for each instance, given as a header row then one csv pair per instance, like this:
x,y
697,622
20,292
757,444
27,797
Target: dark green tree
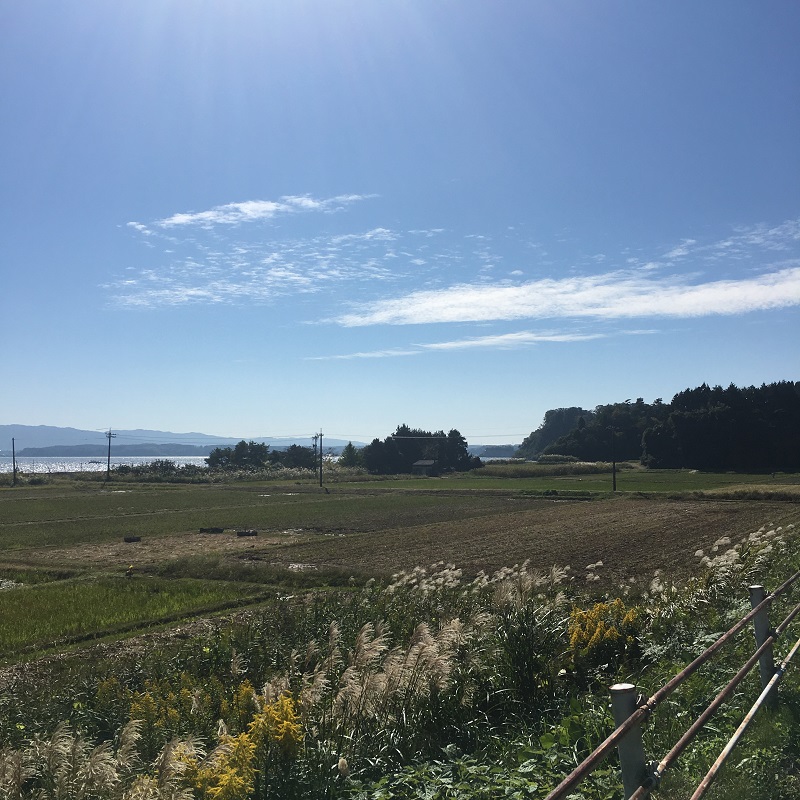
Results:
x,y
297,457
245,456
375,459
455,453
625,422
399,452
755,429
557,422
350,456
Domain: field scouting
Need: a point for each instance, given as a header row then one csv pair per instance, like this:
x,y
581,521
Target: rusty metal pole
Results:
x,y
630,747
734,740
766,664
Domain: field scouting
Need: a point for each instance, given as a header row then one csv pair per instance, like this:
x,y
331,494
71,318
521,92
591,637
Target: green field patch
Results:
x,y
71,518
45,614
257,569
535,478
33,575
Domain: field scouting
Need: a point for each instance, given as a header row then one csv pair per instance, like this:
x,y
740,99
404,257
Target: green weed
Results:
x,y
43,614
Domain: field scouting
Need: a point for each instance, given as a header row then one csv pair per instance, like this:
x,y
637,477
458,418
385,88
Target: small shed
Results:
x,y
425,466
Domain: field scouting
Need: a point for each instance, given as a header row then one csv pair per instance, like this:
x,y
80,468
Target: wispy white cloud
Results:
x,y
376,234
512,340
683,249
428,234
772,237
745,240
436,276
389,353
204,263
256,210
613,295
501,341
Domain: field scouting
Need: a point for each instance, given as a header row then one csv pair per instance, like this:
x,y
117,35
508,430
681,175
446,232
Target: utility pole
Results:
x,y
613,461
315,437
320,458
13,464
109,436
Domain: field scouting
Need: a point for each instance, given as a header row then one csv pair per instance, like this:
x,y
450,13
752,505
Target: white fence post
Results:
x,y
630,747
766,663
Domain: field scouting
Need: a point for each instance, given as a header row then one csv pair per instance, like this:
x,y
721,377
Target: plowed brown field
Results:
x,y
632,536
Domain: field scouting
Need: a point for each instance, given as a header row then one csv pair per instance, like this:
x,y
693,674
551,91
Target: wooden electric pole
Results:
x,y
613,461
320,457
13,463
109,436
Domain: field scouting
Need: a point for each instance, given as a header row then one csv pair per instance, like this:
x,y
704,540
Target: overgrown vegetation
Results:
x,y
545,469
429,684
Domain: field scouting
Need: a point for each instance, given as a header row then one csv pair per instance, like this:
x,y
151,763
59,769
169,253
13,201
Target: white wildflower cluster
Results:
x,y
657,586
660,590
591,571
727,559
753,549
518,584
437,577
722,542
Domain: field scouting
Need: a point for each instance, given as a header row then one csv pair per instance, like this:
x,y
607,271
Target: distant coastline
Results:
x,y
123,450
43,441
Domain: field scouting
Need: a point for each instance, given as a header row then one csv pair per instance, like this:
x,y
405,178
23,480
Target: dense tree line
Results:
x,y
744,429
558,422
756,429
397,454
252,456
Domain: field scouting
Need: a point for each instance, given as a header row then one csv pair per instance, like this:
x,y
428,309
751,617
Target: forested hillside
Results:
x,y
558,422
746,429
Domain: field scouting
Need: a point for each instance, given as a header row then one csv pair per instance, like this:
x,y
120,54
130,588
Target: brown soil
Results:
x,y
150,550
632,536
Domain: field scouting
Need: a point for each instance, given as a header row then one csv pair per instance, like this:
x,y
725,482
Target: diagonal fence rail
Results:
x,y
640,777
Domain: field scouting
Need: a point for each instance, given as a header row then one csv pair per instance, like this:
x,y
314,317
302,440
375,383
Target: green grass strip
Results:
x,y
43,614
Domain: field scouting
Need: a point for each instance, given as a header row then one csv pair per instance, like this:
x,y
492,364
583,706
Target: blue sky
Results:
x,y
268,218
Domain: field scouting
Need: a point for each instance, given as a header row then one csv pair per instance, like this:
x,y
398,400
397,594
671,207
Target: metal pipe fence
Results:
x,y
640,777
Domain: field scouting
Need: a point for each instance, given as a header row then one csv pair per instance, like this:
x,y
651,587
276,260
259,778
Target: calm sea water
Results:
x,y
86,464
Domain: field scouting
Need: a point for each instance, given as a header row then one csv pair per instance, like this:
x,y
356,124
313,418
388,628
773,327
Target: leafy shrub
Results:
x,y
604,638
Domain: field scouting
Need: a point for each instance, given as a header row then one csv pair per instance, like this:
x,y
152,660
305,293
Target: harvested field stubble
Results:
x,y
632,537
377,531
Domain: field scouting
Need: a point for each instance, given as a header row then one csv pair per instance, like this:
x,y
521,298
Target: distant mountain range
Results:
x,y
48,440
